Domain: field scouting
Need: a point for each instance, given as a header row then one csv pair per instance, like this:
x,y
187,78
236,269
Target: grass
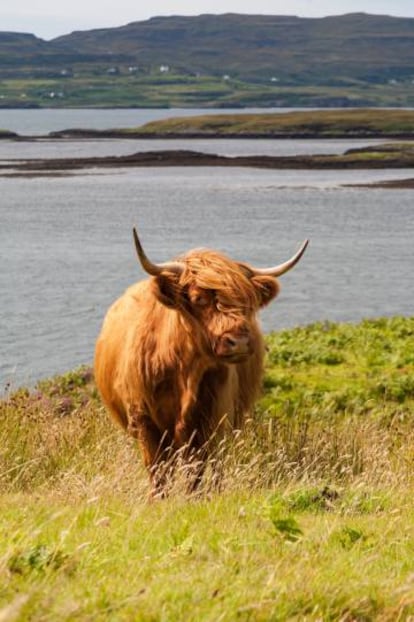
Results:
x,y
322,123
314,521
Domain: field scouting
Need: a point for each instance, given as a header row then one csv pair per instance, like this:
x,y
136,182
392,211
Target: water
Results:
x,y
10,150
66,248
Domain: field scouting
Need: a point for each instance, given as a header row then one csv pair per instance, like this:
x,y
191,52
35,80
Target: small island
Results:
x,y
394,126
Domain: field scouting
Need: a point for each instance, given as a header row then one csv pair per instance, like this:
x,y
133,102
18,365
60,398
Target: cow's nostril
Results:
x,y
231,342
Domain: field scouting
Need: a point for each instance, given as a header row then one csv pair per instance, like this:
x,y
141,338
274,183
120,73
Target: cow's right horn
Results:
x,y
283,267
152,268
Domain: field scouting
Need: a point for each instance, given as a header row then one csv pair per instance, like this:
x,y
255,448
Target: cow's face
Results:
x,y
227,323
220,298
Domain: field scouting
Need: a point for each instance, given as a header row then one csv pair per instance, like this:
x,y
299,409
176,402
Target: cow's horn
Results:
x,y
152,268
283,267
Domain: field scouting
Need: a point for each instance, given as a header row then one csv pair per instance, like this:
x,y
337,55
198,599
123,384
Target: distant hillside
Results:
x,y
357,52
261,47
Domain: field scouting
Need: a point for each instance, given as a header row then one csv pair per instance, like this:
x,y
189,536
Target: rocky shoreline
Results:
x,y
351,160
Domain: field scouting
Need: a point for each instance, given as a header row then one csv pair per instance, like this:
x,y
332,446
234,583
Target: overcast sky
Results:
x,y
51,18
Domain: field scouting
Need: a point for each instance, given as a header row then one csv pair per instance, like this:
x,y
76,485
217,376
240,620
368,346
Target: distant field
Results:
x,y
315,518
184,91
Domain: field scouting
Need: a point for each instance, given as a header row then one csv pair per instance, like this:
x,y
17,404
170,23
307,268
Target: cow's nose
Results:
x,y
234,344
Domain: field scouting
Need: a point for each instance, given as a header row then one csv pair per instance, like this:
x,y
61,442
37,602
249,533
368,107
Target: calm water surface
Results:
x,y
10,150
66,249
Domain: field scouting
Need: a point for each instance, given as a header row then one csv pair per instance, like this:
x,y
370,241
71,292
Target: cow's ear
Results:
x,y
167,290
267,288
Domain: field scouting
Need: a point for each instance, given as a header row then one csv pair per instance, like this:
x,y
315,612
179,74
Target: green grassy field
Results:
x,y
314,519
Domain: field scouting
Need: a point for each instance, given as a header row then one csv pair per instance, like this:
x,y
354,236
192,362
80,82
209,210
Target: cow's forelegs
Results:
x,y
186,430
190,442
194,454
153,447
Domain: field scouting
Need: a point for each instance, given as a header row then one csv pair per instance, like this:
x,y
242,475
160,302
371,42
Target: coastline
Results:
x,y
139,133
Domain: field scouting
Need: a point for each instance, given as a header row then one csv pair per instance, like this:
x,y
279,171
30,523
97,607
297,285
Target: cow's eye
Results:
x,y
201,300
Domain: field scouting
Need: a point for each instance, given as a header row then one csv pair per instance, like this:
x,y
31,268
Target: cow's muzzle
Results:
x,y
233,346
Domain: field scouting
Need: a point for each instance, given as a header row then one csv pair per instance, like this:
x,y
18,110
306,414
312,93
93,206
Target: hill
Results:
x,y
230,59
293,50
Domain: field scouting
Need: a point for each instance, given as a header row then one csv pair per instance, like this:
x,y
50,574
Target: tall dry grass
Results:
x,y
59,440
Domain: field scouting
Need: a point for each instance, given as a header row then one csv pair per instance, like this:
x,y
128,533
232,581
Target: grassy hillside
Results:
x,y
259,47
314,521
216,60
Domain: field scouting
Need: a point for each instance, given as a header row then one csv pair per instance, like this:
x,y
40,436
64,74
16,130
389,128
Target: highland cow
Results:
x,y
180,356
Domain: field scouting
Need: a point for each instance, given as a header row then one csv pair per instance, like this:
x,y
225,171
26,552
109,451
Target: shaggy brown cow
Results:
x,y
180,355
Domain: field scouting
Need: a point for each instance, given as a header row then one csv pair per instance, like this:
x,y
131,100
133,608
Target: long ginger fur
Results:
x,y
156,362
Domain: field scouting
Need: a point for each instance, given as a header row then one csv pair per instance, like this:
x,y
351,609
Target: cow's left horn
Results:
x,y
152,268
283,267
